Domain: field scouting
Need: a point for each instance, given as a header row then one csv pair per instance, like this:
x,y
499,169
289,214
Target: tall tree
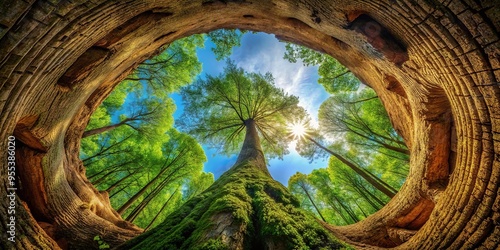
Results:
x,y
245,207
332,193
371,178
176,66
361,117
181,155
145,115
218,109
298,184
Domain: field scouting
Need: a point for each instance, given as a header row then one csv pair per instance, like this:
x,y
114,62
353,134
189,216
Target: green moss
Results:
x,y
213,244
260,205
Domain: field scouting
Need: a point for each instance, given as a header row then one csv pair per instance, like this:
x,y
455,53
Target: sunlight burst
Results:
x,y
298,129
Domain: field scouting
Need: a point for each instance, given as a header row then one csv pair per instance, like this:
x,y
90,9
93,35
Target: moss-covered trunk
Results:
x,y
244,209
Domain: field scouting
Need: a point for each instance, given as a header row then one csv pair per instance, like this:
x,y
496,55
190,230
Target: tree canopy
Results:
x,y
225,40
333,76
217,107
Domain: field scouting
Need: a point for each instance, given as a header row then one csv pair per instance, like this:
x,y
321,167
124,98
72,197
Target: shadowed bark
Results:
x,y
433,65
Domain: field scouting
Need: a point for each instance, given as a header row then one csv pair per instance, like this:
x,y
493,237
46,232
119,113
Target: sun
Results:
x,y
298,129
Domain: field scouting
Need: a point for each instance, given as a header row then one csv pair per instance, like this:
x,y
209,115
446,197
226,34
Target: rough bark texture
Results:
x,y
251,149
434,64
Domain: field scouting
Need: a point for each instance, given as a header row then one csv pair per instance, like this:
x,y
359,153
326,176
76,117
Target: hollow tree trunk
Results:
x,y
434,65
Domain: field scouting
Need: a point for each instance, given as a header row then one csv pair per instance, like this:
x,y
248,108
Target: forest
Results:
x,y
152,165
249,124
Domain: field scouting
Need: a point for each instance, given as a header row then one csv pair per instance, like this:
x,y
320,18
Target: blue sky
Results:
x,y
263,53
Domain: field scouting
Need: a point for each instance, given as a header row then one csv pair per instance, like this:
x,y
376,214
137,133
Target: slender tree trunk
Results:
x,y
152,182
103,151
144,203
381,182
161,209
312,202
101,129
369,196
119,191
114,185
338,211
111,169
375,182
381,143
104,177
347,209
132,199
98,173
361,209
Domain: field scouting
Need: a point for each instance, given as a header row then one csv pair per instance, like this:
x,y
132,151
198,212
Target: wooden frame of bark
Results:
x,y
449,76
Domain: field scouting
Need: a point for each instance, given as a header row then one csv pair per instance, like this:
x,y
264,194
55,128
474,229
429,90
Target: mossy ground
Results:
x,y
267,212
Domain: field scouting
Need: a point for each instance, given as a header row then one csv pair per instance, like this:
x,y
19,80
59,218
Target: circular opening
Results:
x,y
419,58
368,159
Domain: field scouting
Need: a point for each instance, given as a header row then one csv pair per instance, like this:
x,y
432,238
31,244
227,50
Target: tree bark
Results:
x,y
244,209
251,149
101,130
433,65
242,199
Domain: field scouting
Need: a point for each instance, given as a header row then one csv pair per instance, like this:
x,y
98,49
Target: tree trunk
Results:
x,y
251,149
104,177
374,181
161,210
312,202
375,137
339,212
117,192
114,185
101,130
361,209
347,209
163,170
138,209
243,209
432,63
